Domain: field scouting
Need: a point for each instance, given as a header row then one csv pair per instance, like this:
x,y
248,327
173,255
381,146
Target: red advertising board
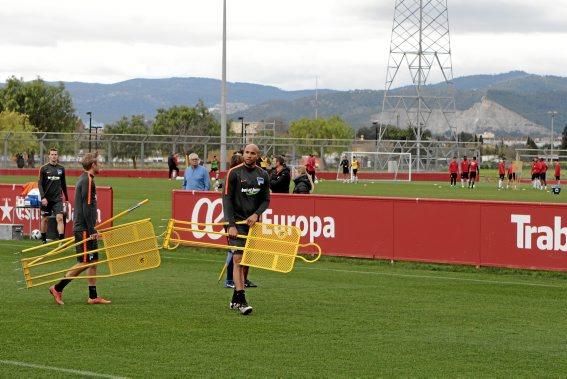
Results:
x,y
29,217
502,234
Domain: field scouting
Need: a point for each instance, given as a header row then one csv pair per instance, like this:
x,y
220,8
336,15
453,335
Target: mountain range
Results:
x,y
513,103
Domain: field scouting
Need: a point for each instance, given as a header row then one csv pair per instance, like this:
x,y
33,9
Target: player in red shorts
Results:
x,y
473,171
453,171
464,171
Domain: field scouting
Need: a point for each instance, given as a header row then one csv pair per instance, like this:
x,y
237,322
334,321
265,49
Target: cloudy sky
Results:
x,y
282,43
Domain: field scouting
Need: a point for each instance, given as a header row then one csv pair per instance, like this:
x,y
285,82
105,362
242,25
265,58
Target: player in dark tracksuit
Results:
x,y
51,185
84,220
246,196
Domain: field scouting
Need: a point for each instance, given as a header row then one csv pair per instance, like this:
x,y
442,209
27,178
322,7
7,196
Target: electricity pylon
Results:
x,y
420,52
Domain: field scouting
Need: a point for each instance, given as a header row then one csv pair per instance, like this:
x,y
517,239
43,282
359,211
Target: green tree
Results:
x,y
127,146
48,107
19,132
332,128
184,120
564,138
530,143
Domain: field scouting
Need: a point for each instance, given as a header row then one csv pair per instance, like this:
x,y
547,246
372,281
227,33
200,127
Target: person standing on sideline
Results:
x,y
52,184
172,164
280,177
215,167
302,182
543,173
310,167
511,176
464,171
354,166
345,166
84,221
196,177
557,168
246,196
473,171
453,171
501,172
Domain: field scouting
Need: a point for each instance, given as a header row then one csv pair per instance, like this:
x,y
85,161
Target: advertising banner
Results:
x,y
502,234
30,217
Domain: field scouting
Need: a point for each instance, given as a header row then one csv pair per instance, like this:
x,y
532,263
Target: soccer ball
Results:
x,y
35,234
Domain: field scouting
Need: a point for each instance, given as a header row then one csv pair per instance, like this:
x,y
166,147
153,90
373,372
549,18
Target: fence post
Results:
x,y
6,157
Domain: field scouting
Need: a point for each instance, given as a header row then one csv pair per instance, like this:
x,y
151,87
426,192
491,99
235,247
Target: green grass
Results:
x,y
336,318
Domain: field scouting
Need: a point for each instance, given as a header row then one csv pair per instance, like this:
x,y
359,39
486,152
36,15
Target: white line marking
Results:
x,y
485,281
59,369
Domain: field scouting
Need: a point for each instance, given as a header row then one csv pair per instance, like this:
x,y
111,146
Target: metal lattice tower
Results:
x,y
420,53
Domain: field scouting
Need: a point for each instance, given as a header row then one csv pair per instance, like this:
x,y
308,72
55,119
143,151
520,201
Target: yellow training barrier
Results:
x,y
268,246
123,249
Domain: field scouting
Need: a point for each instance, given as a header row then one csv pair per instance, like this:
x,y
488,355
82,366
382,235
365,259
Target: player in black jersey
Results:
x,y
84,220
52,185
246,196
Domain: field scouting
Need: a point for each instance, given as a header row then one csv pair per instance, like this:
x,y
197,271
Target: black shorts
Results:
x,y
472,174
453,175
557,177
464,175
239,242
512,176
52,208
345,170
534,176
354,171
214,169
501,176
542,176
85,247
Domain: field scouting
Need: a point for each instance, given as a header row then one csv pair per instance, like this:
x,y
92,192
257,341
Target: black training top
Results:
x,y
247,191
52,182
279,181
85,212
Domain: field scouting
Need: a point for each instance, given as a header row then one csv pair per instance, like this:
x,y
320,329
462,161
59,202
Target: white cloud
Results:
x,y
285,44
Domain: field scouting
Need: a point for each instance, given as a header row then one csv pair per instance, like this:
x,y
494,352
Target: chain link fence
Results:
x,y
151,151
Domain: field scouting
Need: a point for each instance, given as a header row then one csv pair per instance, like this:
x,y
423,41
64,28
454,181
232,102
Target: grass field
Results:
x,y
335,318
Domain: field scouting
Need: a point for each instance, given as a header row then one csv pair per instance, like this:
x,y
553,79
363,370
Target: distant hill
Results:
x,y
529,96
109,102
524,101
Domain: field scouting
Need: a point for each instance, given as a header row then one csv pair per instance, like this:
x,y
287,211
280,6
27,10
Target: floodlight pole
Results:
x,y
375,123
90,128
241,129
552,113
223,92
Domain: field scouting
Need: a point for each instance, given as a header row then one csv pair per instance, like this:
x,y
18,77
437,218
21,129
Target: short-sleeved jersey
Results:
x,y
52,182
501,168
247,191
464,165
473,166
453,167
557,169
344,163
354,164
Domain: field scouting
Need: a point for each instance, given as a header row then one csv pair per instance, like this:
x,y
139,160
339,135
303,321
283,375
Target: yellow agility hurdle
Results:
x,y
268,246
126,248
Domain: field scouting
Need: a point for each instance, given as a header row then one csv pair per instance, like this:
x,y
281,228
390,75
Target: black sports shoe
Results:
x,y
249,284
